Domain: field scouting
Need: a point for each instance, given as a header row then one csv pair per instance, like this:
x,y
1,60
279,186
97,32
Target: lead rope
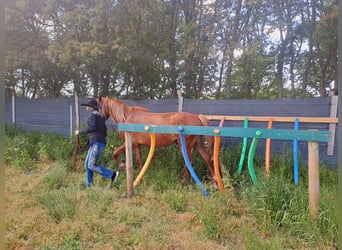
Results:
x,y
79,147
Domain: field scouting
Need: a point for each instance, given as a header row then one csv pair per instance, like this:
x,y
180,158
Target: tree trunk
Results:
x,y
310,52
172,48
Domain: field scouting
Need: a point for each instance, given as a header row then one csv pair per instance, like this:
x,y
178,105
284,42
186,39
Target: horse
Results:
x,y
120,112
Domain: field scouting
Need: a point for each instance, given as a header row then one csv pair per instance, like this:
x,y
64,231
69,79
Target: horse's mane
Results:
x,y
120,110
136,108
116,109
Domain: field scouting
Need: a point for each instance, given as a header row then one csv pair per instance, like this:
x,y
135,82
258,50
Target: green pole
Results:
x,y
251,153
244,147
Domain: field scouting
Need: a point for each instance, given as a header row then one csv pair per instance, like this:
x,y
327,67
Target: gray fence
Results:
x,y
58,116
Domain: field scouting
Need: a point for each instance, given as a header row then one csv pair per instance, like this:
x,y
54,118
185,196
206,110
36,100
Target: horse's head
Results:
x,y
111,107
103,107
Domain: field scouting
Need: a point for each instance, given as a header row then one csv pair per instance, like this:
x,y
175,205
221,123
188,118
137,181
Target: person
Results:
x,y
97,133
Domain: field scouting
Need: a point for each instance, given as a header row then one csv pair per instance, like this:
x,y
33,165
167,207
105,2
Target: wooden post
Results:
x,y
313,166
129,164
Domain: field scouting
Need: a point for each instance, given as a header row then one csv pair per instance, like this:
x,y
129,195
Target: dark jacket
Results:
x,y
96,130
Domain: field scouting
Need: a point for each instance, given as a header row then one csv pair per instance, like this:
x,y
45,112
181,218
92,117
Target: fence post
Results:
x,y
77,114
180,101
313,168
13,109
70,118
332,126
129,164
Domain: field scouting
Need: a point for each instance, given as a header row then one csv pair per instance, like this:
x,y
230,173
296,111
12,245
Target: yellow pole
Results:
x,y
148,160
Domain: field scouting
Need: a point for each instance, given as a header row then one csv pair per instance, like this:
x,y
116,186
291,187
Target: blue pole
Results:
x,y
188,164
295,155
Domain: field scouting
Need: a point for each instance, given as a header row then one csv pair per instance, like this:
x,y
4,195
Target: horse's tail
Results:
x,y
209,139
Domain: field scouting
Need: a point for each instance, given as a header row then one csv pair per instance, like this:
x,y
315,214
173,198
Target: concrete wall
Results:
x,y
58,116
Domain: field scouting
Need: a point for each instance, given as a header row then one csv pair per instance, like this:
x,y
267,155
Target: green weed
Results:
x,y
71,240
60,204
56,178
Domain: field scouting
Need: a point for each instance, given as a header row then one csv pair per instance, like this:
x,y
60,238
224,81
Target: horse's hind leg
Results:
x,y
138,156
206,157
189,148
116,154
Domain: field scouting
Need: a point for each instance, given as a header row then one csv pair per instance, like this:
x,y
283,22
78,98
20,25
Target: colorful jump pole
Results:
x,y
216,157
244,147
268,150
295,155
313,138
149,157
188,163
251,156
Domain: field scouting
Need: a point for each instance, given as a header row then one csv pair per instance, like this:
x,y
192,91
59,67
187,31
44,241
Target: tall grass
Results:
x,y
282,207
163,214
23,149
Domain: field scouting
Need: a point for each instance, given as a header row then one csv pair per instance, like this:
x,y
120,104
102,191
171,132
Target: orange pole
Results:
x,y
216,157
268,150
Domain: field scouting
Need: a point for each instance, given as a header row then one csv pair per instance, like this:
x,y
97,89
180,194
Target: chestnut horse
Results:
x,y
123,113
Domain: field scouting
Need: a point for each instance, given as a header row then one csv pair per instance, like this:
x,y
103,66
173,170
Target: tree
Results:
x,y
81,43
250,71
153,48
325,41
26,40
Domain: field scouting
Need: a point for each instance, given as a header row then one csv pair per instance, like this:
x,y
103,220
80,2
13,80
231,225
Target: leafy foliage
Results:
x,y
151,49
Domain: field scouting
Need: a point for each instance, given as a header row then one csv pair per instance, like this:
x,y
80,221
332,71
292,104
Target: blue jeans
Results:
x,y
91,166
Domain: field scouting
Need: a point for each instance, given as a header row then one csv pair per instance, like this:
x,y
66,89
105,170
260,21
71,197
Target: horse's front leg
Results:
x,y
186,175
116,154
186,171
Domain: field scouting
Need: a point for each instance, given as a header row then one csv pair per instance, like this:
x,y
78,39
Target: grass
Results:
x,y
48,207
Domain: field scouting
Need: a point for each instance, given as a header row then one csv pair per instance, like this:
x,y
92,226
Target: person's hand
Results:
x,y
77,132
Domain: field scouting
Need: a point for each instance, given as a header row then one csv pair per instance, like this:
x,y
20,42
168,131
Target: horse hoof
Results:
x,y
122,166
184,181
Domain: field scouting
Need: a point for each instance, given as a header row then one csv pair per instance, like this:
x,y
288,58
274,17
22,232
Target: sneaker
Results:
x,y
115,176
